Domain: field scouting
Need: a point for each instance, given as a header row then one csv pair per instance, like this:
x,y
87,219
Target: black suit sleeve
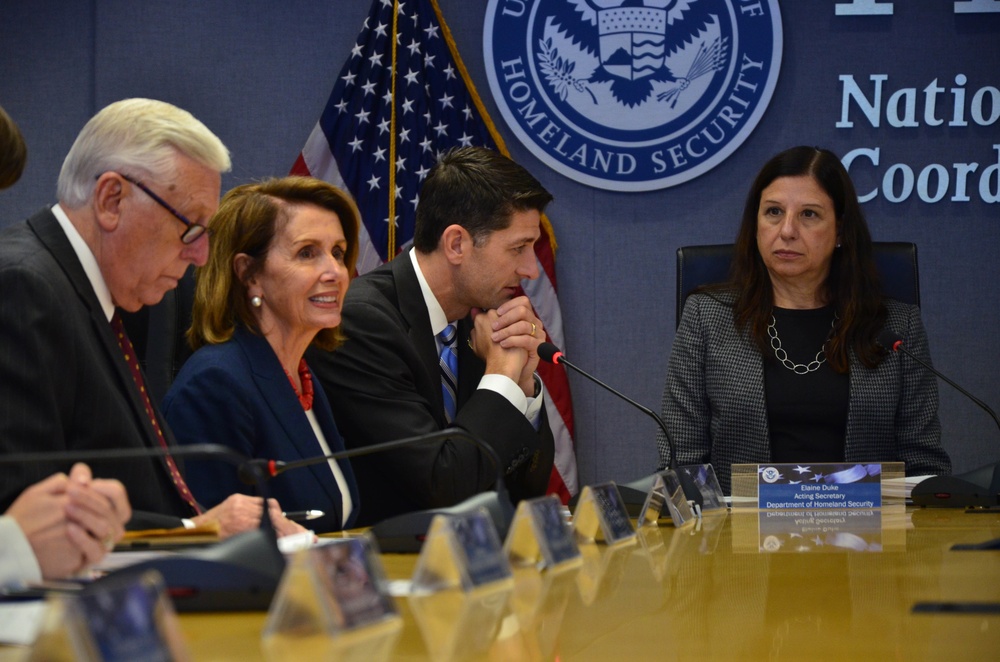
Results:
x,y
60,386
380,389
31,388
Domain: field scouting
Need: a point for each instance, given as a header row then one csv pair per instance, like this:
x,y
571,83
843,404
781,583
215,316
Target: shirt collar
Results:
x,y
87,261
434,310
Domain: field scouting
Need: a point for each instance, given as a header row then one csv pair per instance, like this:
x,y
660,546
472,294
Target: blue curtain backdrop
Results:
x,y
259,73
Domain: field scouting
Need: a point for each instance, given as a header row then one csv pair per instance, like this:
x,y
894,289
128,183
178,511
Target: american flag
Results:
x,y
401,100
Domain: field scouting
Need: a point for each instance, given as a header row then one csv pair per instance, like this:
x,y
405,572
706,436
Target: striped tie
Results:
x,y
131,359
449,370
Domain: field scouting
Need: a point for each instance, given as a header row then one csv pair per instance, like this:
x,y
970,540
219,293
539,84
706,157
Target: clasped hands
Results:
x,y
507,340
71,521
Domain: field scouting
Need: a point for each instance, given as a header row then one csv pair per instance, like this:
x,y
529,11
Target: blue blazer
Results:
x,y
237,393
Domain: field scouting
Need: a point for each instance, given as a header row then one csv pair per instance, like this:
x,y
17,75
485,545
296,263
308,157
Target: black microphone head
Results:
x,y
549,353
252,472
889,339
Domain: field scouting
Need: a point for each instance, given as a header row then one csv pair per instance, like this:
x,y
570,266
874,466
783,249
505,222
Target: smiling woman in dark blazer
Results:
x,y
781,363
282,254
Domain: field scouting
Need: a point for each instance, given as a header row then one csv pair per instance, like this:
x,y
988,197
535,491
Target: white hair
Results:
x,y
136,134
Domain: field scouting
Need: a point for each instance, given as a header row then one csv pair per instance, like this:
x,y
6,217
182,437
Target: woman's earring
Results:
x,y
256,301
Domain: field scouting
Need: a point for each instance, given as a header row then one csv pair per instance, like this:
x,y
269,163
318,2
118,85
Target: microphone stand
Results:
x,y
549,353
633,493
970,490
240,573
405,532
898,346
254,475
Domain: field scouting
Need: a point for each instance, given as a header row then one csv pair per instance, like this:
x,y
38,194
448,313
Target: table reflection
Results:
x,y
822,531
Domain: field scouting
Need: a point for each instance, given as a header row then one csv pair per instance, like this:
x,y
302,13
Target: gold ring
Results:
x,y
532,329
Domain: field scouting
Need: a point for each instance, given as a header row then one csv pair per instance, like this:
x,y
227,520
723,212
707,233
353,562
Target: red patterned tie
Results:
x,y
133,365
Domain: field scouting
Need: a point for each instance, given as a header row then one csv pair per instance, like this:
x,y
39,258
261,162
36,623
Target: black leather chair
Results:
x,y
702,265
158,335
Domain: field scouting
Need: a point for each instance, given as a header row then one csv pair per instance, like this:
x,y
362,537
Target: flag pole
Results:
x,y
487,120
391,248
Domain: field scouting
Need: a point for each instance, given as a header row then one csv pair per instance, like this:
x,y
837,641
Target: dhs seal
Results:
x,y
770,475
632,95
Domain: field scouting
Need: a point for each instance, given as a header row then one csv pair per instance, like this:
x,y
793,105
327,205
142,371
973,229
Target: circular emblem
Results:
x,y
770,544
770,475
632,95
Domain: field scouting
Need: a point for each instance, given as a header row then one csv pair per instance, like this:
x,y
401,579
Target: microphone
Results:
x,y
240,573
405,533
977,488
551,354
634,493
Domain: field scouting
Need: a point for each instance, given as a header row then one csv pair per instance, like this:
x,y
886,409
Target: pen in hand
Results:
x,y
303,515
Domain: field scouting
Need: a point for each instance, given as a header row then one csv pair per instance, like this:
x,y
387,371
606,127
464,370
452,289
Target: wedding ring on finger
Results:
x,y
109,542
533,329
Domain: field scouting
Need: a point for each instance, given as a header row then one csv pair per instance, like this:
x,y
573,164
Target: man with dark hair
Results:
x,y
13,151
453,296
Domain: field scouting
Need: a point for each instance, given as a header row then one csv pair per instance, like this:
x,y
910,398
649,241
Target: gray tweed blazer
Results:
x,y
713,400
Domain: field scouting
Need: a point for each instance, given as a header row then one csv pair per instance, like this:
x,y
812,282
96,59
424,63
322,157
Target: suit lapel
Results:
x,y
52,236
272,382
410,299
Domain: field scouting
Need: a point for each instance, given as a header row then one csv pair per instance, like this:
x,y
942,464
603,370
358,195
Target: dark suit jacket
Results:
x,y
64,384
237,393
384,384
713,401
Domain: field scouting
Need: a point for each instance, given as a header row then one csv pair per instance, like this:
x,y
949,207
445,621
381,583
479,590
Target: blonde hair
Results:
x,y
247,221
136,135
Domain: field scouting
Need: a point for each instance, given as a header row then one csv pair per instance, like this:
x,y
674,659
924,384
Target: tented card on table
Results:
x,y
124,617
815,486
701,486
540,536
461,551
666,491
332,589
601,515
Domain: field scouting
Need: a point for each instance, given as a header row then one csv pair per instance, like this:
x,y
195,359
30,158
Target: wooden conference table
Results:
x,y
737,586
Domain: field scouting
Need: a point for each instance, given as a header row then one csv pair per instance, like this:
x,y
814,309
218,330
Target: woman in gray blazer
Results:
x,y
781,363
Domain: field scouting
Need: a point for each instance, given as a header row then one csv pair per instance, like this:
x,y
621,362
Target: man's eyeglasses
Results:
x,y
193,231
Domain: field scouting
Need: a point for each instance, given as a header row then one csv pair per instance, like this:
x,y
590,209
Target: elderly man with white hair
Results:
x,y
135,194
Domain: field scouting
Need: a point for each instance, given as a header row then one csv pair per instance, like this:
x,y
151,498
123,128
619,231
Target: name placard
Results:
x,y
124,617
601,515
332,589
666,491
814,486
461,551
540,536
701,486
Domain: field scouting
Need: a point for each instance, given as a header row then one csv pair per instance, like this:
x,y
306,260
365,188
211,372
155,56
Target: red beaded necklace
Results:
x,y
306,396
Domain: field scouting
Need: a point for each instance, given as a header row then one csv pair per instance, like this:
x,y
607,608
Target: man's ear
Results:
x,y
456,242
109,193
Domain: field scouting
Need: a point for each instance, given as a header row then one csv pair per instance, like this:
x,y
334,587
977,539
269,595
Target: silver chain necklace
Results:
x,y
782,355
